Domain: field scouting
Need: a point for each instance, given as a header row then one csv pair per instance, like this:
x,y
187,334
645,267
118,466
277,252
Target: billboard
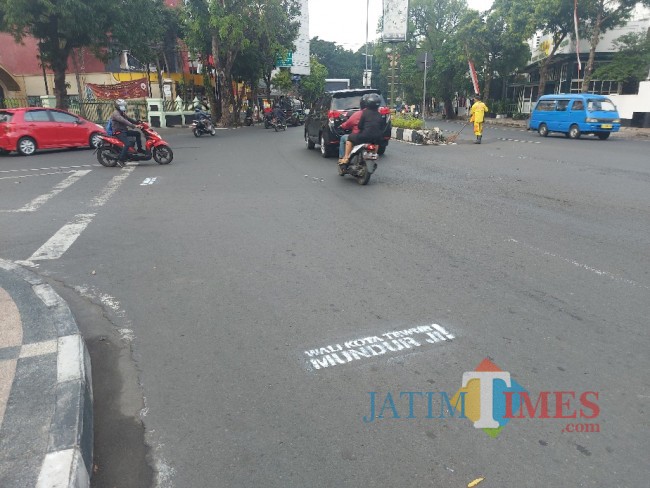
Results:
x,y
395,20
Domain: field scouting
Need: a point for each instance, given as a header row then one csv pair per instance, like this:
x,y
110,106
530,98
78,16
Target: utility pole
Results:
x,y
424,90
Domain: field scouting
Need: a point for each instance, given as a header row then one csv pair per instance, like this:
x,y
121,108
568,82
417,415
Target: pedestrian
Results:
x,y
477,115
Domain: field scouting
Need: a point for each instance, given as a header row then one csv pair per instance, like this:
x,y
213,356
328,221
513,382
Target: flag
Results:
x,y
575,25
472,72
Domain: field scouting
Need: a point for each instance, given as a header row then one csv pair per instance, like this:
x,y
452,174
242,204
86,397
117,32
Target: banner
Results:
x,y
395,20
472,72
575,25
126,89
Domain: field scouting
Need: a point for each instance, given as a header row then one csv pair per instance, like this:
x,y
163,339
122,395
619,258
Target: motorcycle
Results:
x,y
268,118
248,119
362,163
110,147
202,126
278,125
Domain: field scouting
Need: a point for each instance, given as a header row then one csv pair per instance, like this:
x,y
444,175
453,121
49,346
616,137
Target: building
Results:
x,y
563,75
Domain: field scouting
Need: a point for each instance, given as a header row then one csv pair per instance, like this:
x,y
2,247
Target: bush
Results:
x,y
520,116
407,122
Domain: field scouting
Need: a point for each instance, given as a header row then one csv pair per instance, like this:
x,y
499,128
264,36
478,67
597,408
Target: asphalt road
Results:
x,y
263,303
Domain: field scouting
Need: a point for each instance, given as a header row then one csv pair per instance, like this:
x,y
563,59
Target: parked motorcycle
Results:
x,y
110,147
362,163
203,126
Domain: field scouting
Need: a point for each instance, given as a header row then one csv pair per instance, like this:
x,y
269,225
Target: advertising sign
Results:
x,y
395,20
126,89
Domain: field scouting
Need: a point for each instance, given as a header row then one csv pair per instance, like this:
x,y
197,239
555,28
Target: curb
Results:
x,y
69,457
408,135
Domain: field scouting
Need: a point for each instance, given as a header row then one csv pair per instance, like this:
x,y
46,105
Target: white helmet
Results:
x,y
120,104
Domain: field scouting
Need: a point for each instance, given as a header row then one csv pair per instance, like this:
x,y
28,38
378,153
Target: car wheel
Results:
x,y
603,135
543,130
310,143
95,140
26,146
574,132
324,149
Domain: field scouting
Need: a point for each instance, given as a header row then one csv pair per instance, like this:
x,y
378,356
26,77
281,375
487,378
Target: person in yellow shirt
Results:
x,y
477,115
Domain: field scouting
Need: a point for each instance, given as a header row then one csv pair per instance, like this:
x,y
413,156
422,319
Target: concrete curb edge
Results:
x,y
69,458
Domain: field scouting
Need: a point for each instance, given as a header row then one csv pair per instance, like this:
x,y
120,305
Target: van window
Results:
x,y
546,105
562,105
600,106
578,105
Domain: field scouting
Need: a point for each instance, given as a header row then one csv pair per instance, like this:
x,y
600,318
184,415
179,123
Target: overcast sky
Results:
x,y
344,21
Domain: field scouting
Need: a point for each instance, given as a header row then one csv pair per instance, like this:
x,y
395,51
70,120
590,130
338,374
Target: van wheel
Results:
x,y
574,132
603,135
543,130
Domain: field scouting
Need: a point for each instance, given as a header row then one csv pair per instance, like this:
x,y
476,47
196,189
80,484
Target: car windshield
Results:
x,y
5,117
600,106
351,101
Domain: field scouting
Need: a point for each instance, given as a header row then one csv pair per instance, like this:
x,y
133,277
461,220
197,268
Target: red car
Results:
x,y
25,130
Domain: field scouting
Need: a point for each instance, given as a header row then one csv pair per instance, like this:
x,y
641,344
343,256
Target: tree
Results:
x,y
59,27
436,24
631,61
340,62
604,15
496,45
233,27
313,86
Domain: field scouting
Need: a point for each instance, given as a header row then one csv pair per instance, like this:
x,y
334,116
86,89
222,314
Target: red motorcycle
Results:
x,y
110,147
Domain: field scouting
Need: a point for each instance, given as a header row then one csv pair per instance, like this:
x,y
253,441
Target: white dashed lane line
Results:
x,y
23,170
517,140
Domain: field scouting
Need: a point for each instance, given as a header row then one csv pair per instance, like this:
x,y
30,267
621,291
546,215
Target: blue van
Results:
x,y
574,115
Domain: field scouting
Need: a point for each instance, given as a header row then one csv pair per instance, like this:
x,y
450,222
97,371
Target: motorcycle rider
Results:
x,y
202,116
278,114
371,127
352,124
121,124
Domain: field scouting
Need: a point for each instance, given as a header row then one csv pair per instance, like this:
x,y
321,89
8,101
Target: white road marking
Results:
x,y
111,187
586,267
39,174
60,242
149,181
376,345
40,200
517,140
47,169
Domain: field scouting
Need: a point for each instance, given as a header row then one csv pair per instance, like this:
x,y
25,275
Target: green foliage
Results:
x,y
340,62
313,86
244,39
630,63
282,81
520,116
407,122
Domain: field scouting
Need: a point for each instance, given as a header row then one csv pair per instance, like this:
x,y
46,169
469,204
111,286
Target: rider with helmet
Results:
x,y
352,124
121,124
371,127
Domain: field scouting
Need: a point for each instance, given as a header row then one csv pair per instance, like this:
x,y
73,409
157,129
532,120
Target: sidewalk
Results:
x,y
46,407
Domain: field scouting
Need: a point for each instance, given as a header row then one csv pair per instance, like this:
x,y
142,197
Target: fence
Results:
x,y
20,102
100,111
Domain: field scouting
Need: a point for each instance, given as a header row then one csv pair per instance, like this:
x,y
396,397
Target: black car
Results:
x,y
330,111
